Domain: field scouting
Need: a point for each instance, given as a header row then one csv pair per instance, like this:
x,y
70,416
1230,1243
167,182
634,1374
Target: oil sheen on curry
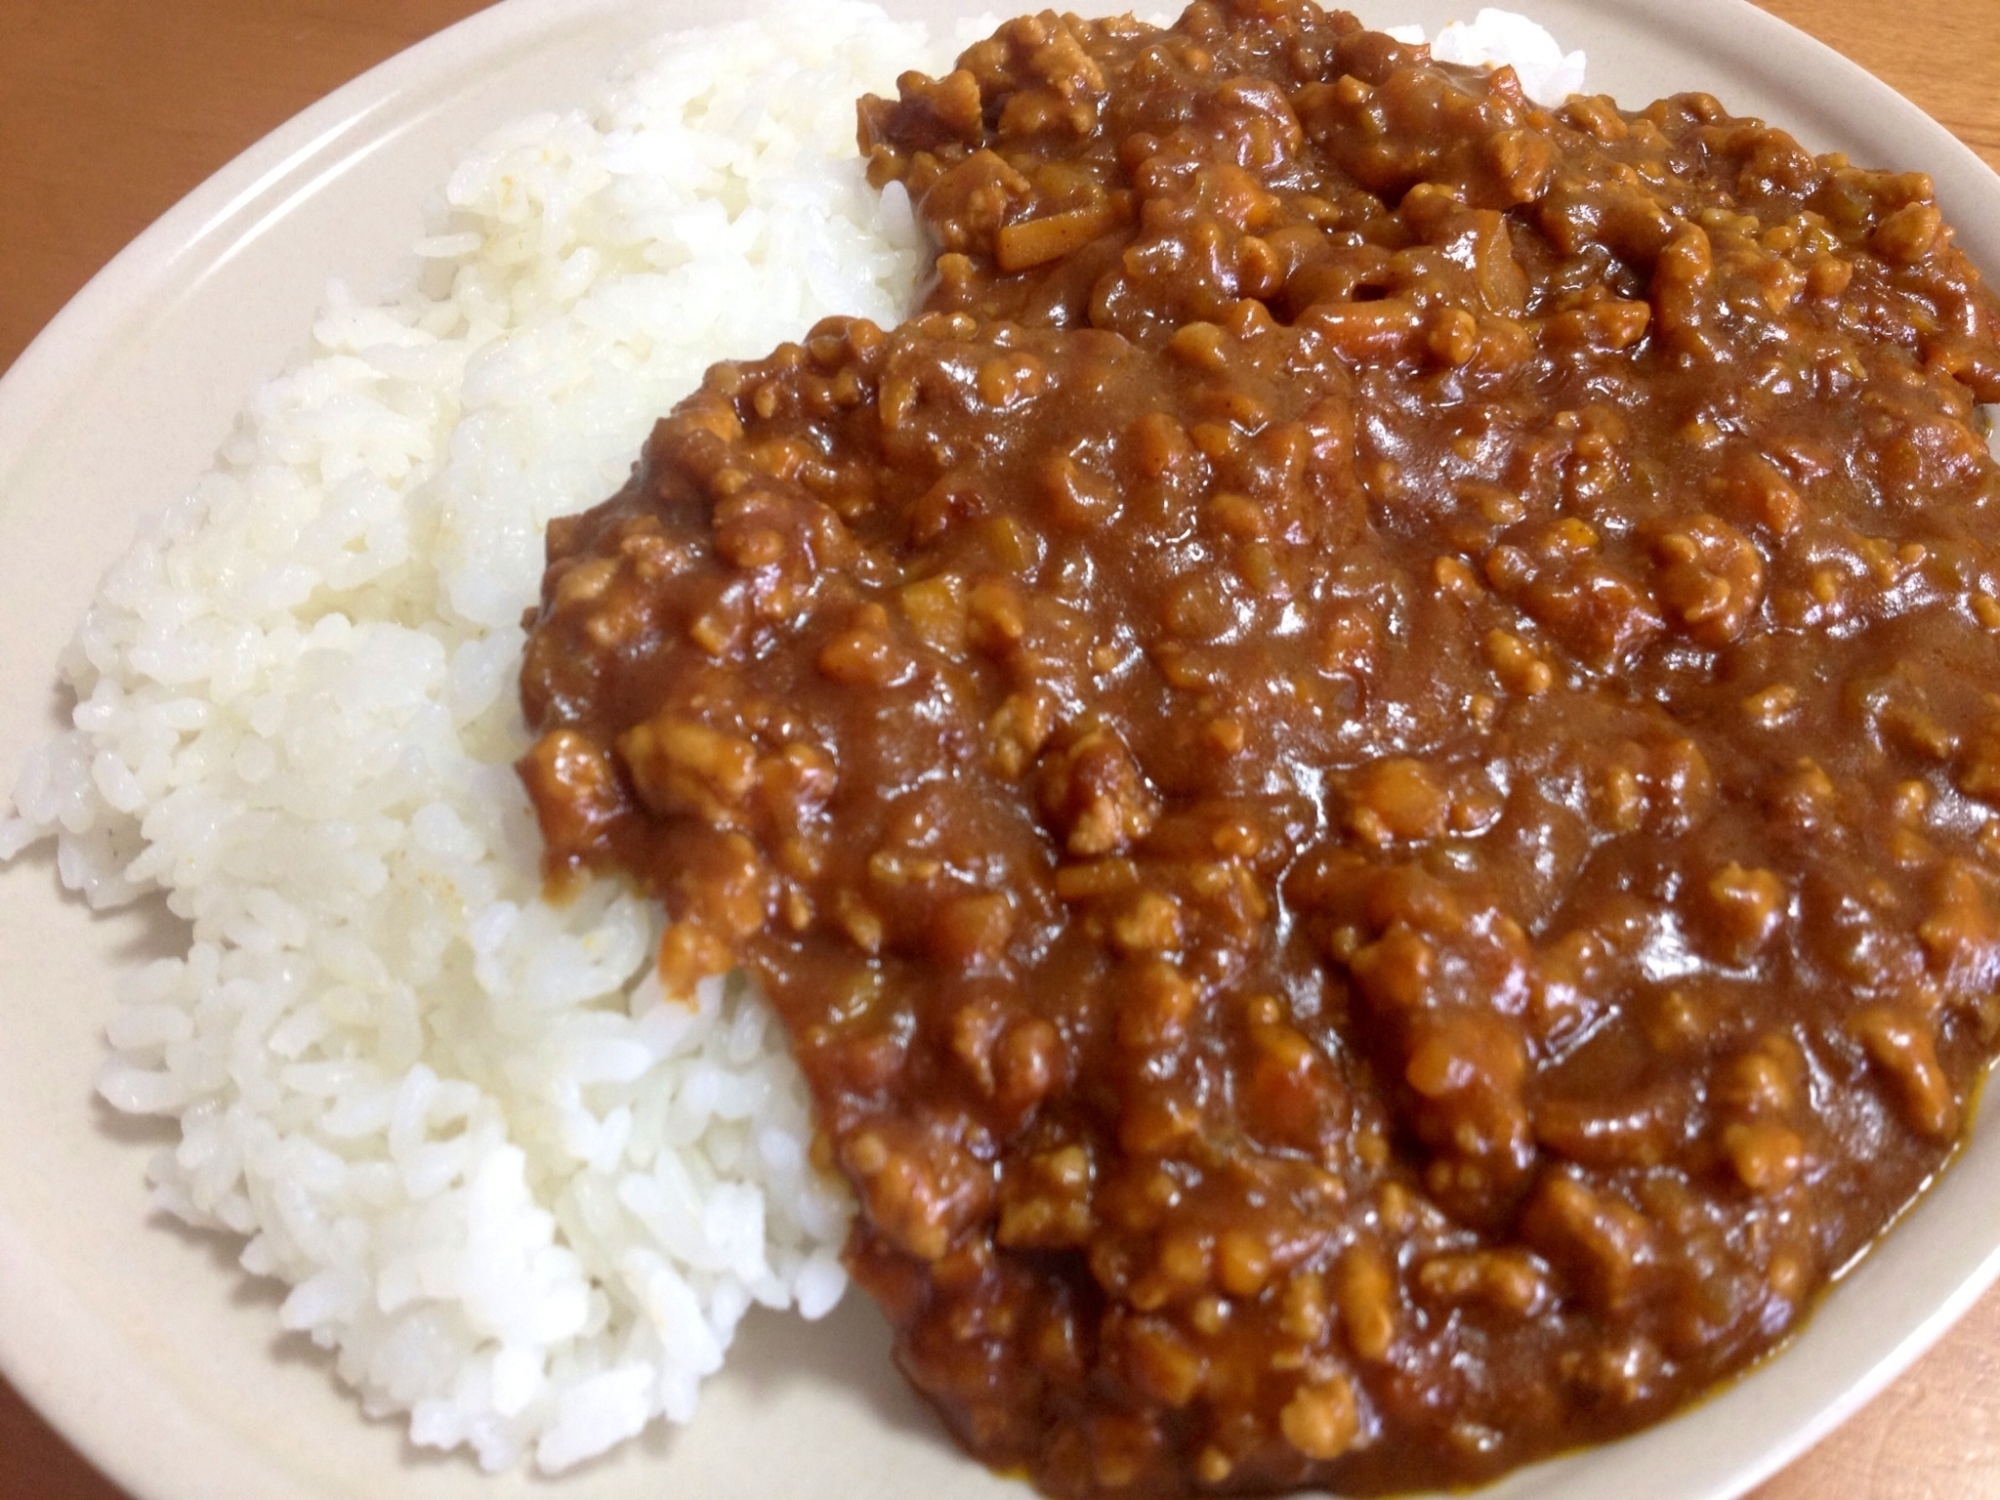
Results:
x,y
1364,767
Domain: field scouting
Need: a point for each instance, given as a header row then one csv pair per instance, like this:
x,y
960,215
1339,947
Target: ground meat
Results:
x,y
1363,768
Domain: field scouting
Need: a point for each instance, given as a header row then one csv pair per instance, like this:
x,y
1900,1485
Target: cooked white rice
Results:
x,y
1497,38
523,1195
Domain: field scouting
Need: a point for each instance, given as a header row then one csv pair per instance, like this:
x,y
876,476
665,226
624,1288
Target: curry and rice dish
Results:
x,y
1316,787
1360,767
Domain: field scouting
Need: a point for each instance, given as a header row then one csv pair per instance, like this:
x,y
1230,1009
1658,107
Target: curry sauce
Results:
x,y
1363,767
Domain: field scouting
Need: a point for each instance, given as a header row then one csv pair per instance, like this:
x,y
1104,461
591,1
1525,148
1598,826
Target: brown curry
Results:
x,y
1363,768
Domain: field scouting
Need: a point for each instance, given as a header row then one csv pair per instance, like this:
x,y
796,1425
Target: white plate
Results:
x,y
142,1342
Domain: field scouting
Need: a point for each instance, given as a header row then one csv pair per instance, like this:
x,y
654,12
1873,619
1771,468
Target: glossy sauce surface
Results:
x,y
1361,769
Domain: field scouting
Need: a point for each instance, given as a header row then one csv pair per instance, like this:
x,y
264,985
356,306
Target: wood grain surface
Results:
x,y
111,110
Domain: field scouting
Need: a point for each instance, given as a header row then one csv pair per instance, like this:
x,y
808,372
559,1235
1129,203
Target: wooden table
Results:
x,y
110,110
